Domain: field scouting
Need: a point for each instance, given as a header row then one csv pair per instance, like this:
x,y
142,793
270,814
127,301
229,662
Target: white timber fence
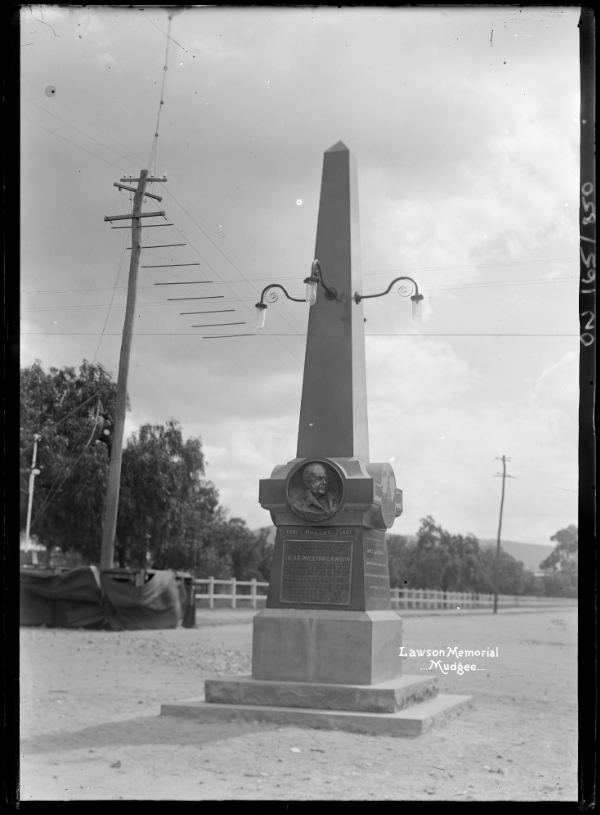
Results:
x,y
233,591
238,593
429,598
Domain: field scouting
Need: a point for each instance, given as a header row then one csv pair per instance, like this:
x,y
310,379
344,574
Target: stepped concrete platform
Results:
x,y
384,697
409,722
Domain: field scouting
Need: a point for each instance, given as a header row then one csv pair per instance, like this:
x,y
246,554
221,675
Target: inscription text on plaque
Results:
x,y
316,566
316,572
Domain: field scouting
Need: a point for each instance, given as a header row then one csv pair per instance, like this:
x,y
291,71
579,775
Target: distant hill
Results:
x,y
530,554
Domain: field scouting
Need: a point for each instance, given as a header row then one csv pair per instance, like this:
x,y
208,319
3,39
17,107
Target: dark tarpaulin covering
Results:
x,y
83,598
156,604
66,599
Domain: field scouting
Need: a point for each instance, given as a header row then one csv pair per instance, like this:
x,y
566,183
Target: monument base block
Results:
x,y
412,721
385,697
309,645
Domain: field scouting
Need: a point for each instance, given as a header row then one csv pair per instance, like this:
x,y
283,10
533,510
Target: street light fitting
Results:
x,y
272,296
403,291
316,277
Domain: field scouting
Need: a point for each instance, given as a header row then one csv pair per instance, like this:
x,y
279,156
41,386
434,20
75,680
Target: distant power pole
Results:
x,y
503,475
114,472
32,474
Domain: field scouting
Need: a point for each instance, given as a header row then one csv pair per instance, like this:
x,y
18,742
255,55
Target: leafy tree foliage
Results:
x,y
562,564
61,407
168,512
399,551
164,503
513,578
560,584
565,554
232,550
430,558
441,561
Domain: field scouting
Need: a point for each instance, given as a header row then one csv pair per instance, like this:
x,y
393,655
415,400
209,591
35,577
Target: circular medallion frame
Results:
x,y
315,490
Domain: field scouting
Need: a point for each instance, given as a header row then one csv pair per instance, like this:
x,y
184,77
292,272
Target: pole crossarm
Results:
x,y
143,226
139,215
166,265
213,325
205,297
133,189
158,246
183,282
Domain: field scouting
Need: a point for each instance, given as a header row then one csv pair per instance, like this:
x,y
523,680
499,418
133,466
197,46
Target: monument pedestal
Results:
x,y
382,697
329,669
326,649
405,707
350,647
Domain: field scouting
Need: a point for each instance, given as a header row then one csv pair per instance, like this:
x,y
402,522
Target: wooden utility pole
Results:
x,y
503,476
114,472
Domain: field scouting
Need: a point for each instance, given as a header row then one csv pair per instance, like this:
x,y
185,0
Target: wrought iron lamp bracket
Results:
x,y
316,276
273,296
269,293
403,291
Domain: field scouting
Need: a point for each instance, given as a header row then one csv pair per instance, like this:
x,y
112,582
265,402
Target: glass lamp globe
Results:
x,y
261,313
417,311
311,290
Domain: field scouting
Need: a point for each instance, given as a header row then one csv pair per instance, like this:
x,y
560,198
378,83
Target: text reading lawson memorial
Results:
x,y
325,650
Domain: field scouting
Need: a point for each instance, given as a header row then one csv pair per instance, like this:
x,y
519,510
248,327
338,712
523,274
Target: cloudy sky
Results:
x,y
464,125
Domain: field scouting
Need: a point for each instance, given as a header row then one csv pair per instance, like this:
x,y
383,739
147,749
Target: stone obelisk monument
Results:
x,y
325,650
328,615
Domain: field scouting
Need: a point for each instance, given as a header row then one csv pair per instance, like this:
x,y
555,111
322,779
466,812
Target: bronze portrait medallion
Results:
x,y
314,492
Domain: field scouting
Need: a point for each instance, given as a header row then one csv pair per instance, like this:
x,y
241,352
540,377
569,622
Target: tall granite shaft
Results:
x,y
333,413
328,616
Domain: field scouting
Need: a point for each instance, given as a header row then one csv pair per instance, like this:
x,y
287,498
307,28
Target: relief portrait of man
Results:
x,y
388,498
316,497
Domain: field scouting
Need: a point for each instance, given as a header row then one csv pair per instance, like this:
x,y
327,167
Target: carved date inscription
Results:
x,y
316,572
376,566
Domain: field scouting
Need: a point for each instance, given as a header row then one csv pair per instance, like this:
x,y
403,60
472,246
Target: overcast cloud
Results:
x,y
464,125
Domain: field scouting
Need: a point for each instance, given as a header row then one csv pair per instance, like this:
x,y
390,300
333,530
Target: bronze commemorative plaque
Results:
x,y
316,572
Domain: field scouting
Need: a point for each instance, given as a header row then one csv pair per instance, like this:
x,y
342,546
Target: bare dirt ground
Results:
x,y
91,728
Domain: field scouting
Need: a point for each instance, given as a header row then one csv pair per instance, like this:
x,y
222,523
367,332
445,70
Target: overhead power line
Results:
x,y
127,158
112,164
153,151
429,288
186,333
55,103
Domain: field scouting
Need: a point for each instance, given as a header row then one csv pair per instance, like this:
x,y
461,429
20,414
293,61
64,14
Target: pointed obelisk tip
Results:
x,y
337,148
